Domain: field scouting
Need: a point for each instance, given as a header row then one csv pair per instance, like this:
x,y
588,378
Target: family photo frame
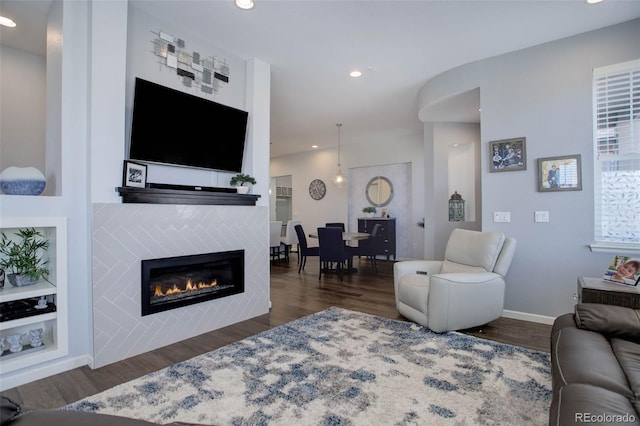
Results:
x,y
559,173
134,175
508,155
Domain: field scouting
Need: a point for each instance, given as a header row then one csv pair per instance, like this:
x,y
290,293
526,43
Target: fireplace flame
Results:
x,y
190,286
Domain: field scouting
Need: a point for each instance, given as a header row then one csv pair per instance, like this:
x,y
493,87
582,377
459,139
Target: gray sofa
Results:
x,y
14,415
595,366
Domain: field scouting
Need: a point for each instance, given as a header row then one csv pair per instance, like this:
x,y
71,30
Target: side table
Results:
x,y
597,290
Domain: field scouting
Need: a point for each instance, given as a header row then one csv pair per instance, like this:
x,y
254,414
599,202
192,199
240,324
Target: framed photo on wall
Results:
x,y
135,174
507,155
559,173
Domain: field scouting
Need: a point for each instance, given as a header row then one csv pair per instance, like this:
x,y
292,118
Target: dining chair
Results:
x,y
369,248
303,249
333,250
290,239
335,224
275,230
338,225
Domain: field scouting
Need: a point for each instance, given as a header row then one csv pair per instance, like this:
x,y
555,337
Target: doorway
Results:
x,y
281,198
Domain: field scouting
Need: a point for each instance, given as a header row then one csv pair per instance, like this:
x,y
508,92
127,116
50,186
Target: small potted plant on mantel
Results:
x,y
368,210
23,259
240,180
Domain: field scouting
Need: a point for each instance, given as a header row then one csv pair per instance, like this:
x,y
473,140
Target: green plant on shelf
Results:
x,y
25,257
369,209
240,179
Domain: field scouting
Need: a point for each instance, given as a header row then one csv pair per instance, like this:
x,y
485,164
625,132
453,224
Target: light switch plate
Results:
x,y
541,216
502,216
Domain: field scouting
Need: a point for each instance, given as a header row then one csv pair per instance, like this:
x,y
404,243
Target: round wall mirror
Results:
x,y
379,191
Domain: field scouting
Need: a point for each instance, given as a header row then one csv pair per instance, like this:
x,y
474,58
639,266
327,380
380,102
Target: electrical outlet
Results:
x,y
541,216
502,216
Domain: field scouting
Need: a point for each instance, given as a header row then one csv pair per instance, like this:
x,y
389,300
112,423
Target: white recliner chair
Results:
x,y
464,290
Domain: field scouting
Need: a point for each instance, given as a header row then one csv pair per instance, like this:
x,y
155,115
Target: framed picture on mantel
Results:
x,y
135,175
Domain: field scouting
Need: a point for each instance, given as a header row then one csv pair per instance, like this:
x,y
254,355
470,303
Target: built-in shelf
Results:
x,y
8,325
10,293
54,324
177,196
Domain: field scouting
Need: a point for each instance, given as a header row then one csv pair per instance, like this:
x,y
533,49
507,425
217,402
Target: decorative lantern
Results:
x,y
456,208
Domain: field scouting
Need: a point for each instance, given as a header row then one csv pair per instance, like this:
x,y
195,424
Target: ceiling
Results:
x,y
30,33
312,45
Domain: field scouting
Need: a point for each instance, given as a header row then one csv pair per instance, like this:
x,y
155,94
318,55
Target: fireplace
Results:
x,y
173,282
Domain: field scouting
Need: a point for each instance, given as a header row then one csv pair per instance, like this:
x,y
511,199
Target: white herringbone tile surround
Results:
x,y
125,234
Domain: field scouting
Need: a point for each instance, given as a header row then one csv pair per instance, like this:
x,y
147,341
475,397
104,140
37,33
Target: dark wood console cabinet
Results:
x,y
385,246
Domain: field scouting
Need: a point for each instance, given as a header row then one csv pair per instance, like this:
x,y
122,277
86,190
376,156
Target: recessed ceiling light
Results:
x,y
314,146
355,73
593,1
245,4
7,22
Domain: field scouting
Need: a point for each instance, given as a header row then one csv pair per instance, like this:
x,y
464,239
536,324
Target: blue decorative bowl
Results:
x,y
22,181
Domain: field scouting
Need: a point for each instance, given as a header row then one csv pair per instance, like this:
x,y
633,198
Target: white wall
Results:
x,y
461,177
373,150
447,169
544,94
401,202
143,63
22,109
83,175
30,112
437,139
73,203
129,32
464,165
256,159
53,149
107,124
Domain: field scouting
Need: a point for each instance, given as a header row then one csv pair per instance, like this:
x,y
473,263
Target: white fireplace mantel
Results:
x,y
124,234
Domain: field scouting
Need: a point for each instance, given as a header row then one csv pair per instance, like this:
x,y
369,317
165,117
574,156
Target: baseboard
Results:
x,y
34,374
525,316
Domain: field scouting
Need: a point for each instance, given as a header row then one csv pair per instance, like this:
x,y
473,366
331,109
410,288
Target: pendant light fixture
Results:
x,y
7,22
245,4
339,179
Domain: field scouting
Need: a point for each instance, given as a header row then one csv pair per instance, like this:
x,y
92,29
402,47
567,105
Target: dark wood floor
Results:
x,y
293,296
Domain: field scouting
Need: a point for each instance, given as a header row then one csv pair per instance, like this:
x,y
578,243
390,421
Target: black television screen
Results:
x,y
173,127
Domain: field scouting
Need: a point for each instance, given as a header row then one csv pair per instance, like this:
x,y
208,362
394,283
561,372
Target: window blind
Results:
x,y
617,154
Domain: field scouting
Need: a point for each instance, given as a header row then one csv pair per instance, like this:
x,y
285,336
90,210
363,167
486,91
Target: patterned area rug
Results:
x,y
339,367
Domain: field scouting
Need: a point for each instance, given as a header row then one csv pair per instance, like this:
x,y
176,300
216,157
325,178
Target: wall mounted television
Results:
x,y
176,128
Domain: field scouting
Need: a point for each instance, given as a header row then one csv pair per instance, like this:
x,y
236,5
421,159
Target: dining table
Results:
x,y
347,236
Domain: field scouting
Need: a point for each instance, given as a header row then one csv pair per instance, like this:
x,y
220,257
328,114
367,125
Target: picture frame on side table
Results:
x,y
134,175
560,173
508,155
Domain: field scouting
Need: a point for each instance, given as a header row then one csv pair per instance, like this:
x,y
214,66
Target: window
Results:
x,y
616,133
